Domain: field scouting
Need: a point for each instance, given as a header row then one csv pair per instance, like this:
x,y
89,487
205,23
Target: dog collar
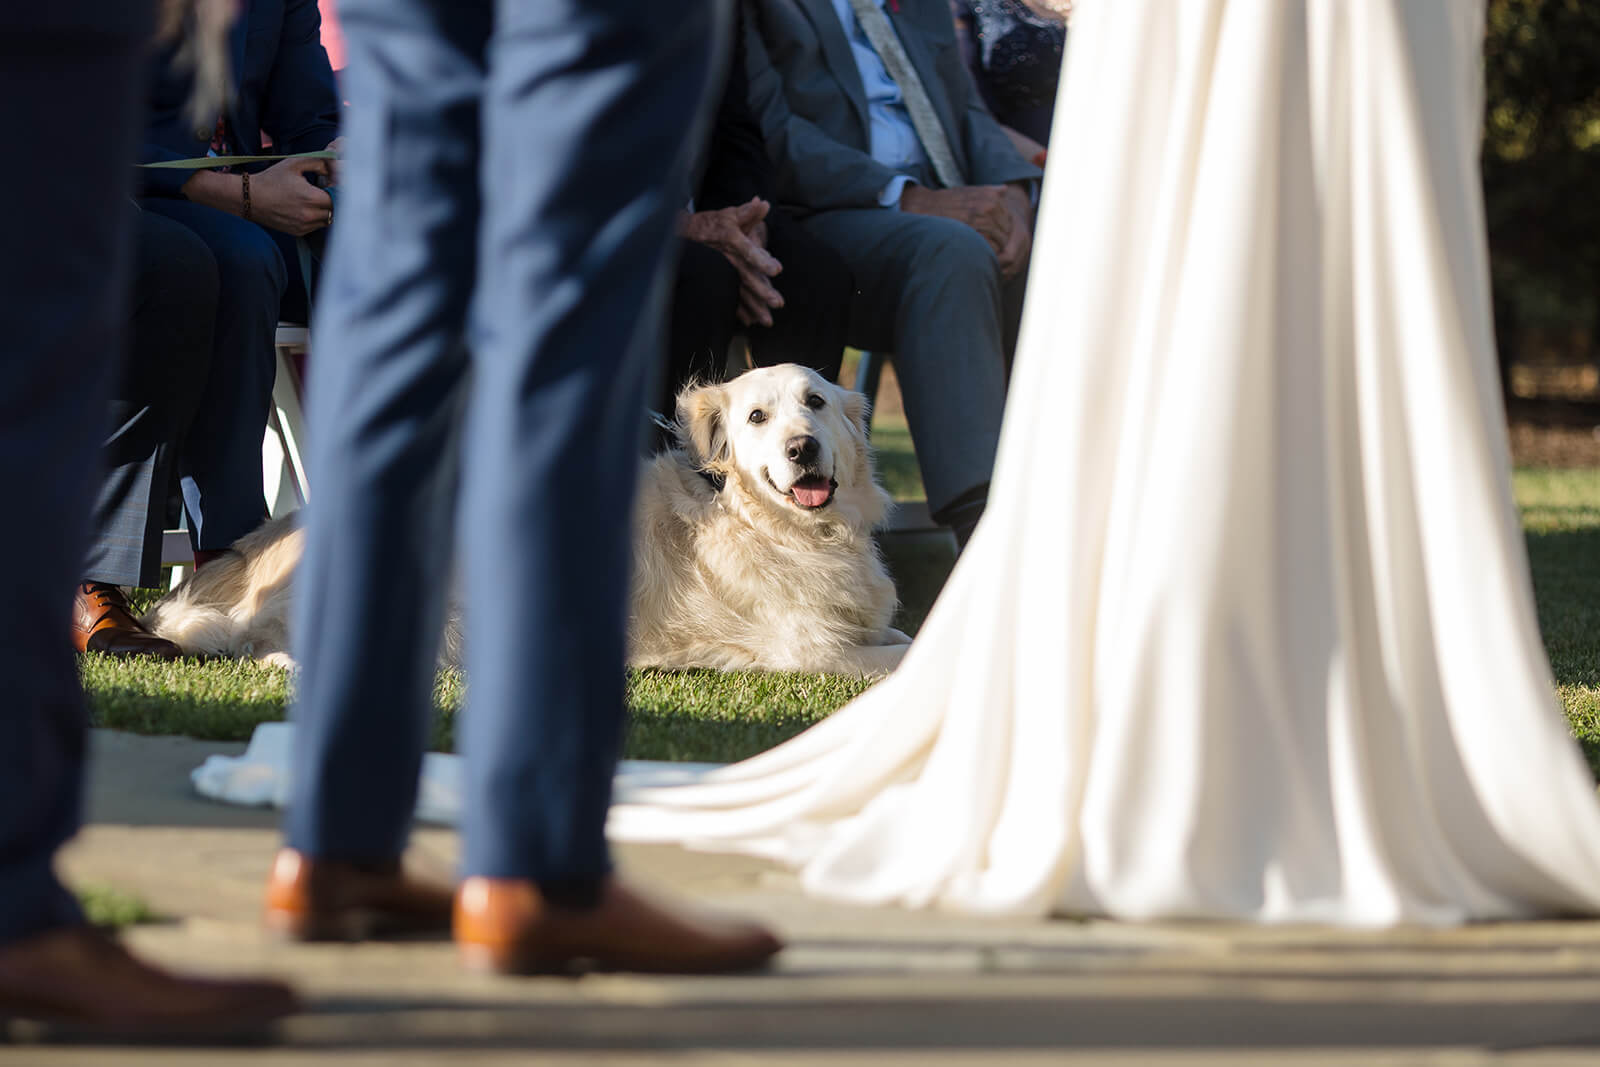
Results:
x,y
713,479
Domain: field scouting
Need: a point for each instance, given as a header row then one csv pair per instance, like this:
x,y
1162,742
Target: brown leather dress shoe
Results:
x,y
328,900
77,982
505,926
102,621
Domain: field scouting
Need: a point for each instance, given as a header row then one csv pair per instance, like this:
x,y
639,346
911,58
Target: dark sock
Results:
x,y
202,556
961,515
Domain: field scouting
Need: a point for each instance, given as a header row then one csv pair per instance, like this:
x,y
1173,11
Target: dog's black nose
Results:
x,y
803,449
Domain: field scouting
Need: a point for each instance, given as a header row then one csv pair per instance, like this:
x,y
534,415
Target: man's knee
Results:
x,y
175,283
172,266
250,266
955,251
952,294
174,313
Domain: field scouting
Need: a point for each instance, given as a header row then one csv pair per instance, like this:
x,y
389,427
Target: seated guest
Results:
x,y
885,151
1013,49
746,264
283,88
153,405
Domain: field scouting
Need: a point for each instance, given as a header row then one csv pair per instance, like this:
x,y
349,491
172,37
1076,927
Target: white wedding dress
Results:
x,y
1247,631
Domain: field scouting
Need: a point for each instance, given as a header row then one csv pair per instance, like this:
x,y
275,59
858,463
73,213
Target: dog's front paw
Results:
x,y
279,659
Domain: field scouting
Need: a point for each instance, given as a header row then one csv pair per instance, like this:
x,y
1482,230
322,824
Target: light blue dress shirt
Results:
x,y
894,139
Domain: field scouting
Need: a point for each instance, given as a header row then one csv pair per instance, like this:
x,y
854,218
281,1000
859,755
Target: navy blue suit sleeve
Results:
x,y
169,131
301,106
160,182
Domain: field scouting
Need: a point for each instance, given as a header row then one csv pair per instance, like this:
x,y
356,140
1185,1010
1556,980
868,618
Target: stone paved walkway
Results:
x,y
856,986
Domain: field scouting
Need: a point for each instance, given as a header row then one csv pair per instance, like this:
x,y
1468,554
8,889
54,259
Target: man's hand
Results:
x,y
740,234
281,198
1013,256
1001,213
983,207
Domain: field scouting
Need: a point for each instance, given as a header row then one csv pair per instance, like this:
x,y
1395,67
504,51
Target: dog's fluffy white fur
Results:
x,y
753,546
238,605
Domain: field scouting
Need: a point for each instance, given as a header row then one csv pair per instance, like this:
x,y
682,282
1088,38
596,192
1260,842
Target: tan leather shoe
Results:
x,y
78,982
102,621
505,926
328,900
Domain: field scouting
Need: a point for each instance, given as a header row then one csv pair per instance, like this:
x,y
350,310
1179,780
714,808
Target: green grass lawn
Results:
x,y
703,715
1561,514
897,462
690,715
106,905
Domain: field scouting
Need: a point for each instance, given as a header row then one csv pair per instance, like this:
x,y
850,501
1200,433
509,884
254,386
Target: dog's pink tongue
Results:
x,y
812,493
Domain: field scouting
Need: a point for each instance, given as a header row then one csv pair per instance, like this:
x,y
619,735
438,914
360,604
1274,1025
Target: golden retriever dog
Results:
x,y
753,541
753,546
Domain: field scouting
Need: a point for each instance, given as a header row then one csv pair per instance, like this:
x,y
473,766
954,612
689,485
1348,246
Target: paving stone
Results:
x,y
881,986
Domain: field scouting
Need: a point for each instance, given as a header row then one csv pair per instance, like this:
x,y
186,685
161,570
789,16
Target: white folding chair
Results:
x,y
283,466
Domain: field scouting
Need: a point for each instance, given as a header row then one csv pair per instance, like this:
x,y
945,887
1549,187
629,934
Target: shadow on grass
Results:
x,y
182,712
920,562
724,717
704,716
654,735
1566,582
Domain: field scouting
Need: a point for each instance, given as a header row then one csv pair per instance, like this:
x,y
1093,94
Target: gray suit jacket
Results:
x,y
807,93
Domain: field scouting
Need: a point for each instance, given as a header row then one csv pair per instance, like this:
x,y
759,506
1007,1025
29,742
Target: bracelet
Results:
x,y
245,177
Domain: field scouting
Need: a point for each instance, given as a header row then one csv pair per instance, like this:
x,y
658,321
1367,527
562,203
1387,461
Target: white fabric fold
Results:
x,y
1247,629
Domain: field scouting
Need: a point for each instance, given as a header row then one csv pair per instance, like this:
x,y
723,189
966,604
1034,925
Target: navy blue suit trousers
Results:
x,y
488,328
62,318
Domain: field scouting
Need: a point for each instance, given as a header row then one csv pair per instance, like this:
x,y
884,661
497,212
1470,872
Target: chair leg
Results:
x,y
868,373
287,424
176,550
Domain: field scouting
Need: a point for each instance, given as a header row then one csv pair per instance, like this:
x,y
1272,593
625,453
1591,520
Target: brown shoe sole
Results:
x,y
351,925
492,960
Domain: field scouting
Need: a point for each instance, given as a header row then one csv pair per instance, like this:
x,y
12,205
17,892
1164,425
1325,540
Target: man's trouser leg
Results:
x,y
61,324
220,462
929,290
813,326
591,123
163,378
564,251
385,397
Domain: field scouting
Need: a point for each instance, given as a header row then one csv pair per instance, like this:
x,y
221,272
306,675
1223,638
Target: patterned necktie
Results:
x,y
881,35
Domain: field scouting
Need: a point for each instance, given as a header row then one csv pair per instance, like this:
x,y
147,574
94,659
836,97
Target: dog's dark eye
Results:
x,y
815,402
758,416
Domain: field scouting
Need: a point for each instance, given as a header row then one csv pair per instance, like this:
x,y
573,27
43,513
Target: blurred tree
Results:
x,y
1541,166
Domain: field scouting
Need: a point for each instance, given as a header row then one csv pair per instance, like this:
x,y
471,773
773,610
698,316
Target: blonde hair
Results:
x,y
203,26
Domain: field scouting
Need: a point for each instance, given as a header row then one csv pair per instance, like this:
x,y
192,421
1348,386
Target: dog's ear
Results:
x,y
703,425
857,408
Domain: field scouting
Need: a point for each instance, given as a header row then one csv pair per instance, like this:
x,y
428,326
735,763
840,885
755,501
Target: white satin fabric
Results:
x,y
1247,631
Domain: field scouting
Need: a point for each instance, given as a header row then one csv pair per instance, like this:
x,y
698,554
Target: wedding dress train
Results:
x,y
1247,629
